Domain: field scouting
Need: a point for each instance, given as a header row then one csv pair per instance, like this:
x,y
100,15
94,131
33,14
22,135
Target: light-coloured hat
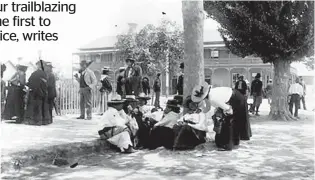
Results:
x,y
200,92
116,100
131,98
143,96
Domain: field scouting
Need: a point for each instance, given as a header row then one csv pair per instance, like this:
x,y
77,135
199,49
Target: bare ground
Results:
x,y
277,150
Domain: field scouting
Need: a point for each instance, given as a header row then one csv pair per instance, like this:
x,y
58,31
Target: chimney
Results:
x,y
132,28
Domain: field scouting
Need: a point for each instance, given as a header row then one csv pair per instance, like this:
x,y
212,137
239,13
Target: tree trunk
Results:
x,y
279,109
193,18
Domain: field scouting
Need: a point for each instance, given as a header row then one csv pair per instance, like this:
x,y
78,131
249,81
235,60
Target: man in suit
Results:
x,y
133,77
157,90
257,92
87,82
180,83
52,92
302,83
241,85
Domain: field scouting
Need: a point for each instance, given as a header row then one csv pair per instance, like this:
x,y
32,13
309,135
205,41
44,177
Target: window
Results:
x,y
214,54
234,78
107,57
207,53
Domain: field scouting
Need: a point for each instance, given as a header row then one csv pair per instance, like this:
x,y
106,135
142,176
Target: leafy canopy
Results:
x,y
270,30
152,45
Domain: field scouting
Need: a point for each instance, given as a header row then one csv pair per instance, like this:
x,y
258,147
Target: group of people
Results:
x,y
182,125
30,102
296,91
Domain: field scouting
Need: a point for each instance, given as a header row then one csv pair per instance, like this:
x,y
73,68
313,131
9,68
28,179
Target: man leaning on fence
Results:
x,y
87,82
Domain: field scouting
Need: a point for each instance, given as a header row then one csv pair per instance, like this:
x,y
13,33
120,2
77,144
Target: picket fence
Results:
x,y
68,98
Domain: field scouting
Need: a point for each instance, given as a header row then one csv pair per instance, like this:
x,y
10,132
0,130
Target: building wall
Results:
x,y
221,68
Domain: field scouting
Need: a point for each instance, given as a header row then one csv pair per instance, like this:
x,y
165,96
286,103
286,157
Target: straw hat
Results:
x,y
200,92
143,96
131,98
116,100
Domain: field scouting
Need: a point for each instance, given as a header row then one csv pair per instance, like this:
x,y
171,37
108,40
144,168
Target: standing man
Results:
x,y
133,77
296,92
120,87
87,82
180,82
52,92
256,92
302,83
106,88
269,91
37,113
157,90
241,85
146,85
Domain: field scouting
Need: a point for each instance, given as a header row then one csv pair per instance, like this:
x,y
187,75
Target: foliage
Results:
x,y
271,30
309,62
152,45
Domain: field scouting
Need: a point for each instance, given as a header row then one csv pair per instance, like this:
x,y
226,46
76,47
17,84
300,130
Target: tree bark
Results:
x,y
279,109
193,19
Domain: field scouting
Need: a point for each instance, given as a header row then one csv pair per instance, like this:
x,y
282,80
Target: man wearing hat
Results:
x,y
87,82
133,76
120,88
157,90
114,126
180,83
52,92
257,93
37,113
106,88
14,107
241,85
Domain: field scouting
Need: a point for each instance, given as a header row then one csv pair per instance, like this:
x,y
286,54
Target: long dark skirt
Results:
x,y
224,139
37,112
187,137
143,134
241,124
161,136
51,104
14,105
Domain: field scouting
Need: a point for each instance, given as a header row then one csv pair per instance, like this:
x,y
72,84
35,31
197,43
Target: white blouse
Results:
x,y
219,96
169,120
199,119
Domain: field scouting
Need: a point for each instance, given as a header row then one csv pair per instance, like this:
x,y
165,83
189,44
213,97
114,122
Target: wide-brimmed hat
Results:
x,y
142,96
200,92
22,67
131,98
172,103
116,100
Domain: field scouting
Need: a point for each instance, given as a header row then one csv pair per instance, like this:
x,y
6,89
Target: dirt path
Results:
x,y
277,150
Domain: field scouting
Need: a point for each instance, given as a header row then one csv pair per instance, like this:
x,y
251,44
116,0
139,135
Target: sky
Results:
x,y
93,19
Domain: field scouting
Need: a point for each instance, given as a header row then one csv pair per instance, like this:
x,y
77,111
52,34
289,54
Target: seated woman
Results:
x,y
118,127
232,102
190,129
162,133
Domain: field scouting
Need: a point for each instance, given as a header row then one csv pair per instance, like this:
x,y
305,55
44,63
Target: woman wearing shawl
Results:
x,y
232,102
162,133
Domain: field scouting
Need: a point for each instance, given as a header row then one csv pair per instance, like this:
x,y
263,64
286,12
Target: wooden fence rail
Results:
x,y
68,98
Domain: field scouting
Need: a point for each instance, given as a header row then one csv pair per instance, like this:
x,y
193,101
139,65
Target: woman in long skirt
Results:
x,y
232,102
14,107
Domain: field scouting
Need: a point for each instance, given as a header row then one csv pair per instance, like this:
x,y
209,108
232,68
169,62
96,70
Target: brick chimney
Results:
x,y
132,28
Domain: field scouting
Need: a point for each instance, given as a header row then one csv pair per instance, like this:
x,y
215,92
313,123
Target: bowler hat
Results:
x,y
200,92
172,103
179,99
